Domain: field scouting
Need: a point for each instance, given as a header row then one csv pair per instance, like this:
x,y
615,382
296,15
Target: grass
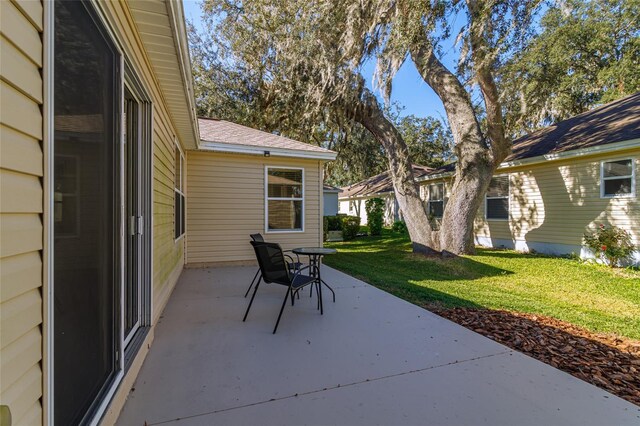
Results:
x,y
592,296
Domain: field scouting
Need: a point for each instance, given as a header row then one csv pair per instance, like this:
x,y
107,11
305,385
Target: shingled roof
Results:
x,y
379,184
216,133
616,121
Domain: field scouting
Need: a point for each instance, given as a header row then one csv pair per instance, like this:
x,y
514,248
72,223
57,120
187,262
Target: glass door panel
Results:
x,y
135,225
86,219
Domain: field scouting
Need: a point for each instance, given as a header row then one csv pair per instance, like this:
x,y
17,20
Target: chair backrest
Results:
x,y
273,266
257,237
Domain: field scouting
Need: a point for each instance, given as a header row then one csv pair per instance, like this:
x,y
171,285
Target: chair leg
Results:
x,y
252,297
320,296
252,281
284,302
293,293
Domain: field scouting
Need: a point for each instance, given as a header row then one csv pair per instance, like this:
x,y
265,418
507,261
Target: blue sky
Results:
x,y
408,87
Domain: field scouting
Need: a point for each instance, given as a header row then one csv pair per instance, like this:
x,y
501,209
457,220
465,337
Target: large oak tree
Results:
x,y
308,57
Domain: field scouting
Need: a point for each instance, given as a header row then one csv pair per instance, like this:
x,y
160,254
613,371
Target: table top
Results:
x,y
314,250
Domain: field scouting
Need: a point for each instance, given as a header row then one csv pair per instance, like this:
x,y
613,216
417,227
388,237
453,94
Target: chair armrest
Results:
x,y
298,271
291,251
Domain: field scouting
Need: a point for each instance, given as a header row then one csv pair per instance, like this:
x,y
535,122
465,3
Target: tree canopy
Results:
x,y
585,53
295,67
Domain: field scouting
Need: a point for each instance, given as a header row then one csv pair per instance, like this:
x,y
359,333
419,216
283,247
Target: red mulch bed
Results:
x,y
607,361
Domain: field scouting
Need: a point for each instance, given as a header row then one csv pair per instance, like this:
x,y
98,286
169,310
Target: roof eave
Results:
x,y
376,194
261,150
566,155
176,13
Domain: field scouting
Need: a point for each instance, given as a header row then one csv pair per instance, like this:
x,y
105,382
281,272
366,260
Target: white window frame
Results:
x,y
429,200
179,191
267,199
508,197
632,194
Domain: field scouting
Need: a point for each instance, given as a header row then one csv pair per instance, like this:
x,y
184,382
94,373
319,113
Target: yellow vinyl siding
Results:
x,y
21,208
557,202
226,203
168,254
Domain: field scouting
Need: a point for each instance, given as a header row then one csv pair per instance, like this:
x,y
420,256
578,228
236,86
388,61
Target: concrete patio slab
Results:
x,y
370,359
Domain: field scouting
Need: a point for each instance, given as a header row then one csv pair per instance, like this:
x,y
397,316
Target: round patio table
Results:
x,y
315,258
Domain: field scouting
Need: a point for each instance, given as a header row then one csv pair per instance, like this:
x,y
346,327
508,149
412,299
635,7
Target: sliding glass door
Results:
x,y
87,219
137,158
102,210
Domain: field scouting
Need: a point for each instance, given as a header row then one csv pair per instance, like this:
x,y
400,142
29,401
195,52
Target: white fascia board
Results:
x,y
434,177
176,15
260,150
365,197
600,149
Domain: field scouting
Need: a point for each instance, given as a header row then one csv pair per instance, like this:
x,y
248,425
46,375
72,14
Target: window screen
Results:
x,y
497,198
285,199
617,178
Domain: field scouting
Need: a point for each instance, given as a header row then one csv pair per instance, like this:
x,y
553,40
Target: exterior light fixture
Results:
x,y
267,154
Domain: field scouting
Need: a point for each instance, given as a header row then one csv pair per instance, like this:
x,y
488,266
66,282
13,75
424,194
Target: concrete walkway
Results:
x,y
370,359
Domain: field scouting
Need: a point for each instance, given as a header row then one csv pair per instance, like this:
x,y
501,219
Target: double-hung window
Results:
x,y
179,202
497,198
617,178
435,203
284,206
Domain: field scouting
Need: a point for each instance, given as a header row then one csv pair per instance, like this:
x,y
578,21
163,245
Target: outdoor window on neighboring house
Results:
x,y
435,203
497,198
284,207
617,178
179,204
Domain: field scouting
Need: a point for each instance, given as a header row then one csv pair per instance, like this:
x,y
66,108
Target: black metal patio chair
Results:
x,y
293,264
275,269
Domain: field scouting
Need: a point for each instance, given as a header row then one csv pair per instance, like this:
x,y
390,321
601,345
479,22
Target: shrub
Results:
x,y
334,223
325,228
399,226
350,227
612,244
375,213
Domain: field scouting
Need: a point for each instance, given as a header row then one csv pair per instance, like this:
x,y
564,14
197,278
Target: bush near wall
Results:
x,y
350,227
334,223
375,215
399,226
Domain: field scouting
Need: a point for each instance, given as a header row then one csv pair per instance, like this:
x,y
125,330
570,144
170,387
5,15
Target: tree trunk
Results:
x,y
475,165
406,190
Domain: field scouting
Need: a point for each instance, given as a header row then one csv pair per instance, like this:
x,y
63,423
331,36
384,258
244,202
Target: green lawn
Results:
x,y
591,296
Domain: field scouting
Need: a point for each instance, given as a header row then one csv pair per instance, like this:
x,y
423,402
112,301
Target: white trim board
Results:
x,y
266,201
600,149
262,150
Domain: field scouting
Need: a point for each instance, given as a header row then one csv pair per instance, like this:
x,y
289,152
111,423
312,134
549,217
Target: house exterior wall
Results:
x,y
168,254
22,170
552,205
226,203
21,209
356,207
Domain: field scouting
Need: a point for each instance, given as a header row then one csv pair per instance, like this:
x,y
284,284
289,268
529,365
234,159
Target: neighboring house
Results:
x,y
102,176
330,200
242,181
558,184
353,197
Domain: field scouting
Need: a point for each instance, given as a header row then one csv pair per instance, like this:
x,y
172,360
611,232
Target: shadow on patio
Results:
x,y
370,359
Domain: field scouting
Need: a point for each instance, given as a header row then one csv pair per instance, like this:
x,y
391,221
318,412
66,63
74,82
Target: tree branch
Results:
x,y
482,64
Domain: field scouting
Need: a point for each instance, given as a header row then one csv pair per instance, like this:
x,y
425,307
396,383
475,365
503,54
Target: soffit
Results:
x,y
162,29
